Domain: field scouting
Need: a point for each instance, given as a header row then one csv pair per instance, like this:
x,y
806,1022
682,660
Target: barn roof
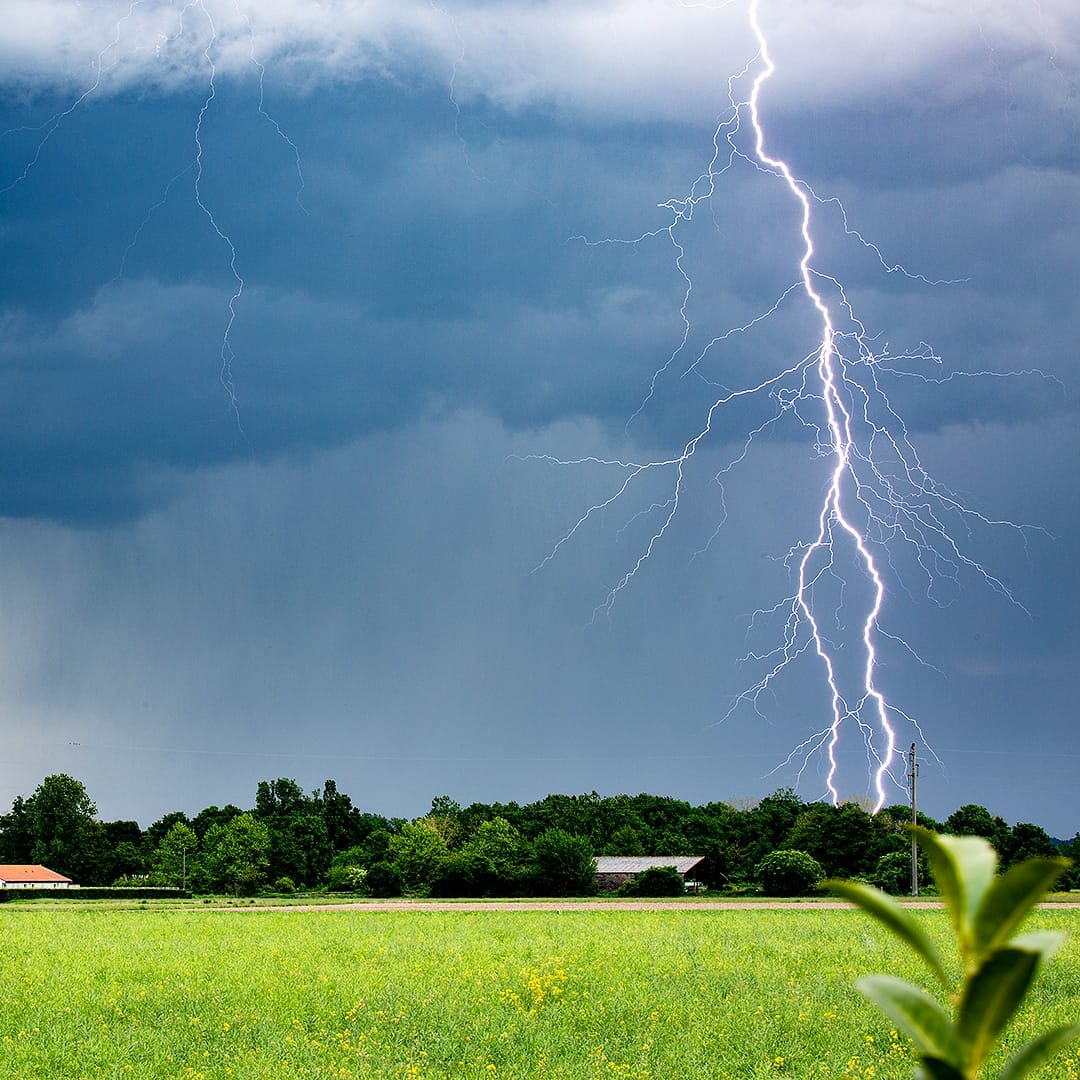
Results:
x,y
31,872
634,864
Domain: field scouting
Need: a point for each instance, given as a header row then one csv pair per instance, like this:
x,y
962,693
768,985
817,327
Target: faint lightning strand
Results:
x,y
261,68
49,126
225,376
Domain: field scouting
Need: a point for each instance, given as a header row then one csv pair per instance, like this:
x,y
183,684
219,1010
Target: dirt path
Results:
x,y
571,905
593,905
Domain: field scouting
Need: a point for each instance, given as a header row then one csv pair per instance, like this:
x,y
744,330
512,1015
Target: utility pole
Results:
x,y
913,772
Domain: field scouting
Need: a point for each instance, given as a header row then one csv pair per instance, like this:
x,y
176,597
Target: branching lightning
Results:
x,y
111,56
877,494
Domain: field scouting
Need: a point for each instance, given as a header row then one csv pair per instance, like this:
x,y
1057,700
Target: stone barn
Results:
x,y
612,871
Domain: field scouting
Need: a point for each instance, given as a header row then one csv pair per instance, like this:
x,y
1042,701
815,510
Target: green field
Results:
x,y
260,995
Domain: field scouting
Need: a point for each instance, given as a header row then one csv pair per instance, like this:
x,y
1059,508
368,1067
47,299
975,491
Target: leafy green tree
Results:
x,y
279,798
788,873
845,839
974,820
346,826
66,835
418,852
384,879
763,829
466,873
210,816
176,861
155,833
893,872
17,833
236,856
626,840
122,855
1026,841
505,849
563,864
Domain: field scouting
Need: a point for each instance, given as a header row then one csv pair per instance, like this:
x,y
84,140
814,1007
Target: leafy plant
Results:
x,y
789,873
998,969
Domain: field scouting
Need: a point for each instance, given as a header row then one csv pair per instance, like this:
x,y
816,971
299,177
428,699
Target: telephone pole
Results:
x,y
913,773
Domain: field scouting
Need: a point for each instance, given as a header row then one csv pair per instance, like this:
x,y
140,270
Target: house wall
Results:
x,y
611,882
35,884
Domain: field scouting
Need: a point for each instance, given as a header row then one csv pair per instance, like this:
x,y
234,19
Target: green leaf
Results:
x,y
1032,1054
931,1068
964,868
1043,942
992,995
1011,897
900,921
915,1013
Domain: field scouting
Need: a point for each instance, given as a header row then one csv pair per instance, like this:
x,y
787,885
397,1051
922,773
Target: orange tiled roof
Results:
x,y
10,872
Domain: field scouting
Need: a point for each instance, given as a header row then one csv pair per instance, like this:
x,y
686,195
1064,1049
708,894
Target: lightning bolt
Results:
x,y
877,497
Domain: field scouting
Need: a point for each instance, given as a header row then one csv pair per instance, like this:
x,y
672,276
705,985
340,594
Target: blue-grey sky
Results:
x,y
304,302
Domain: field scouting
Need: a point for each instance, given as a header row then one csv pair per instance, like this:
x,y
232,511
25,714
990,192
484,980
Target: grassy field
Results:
x,y
202,994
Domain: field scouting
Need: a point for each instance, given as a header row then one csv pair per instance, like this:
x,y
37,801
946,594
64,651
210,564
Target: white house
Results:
x,y
32,877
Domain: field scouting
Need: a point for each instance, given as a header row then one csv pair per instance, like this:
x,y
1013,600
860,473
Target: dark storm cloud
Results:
x,y
405,280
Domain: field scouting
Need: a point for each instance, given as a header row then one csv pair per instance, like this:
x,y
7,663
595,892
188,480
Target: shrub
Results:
x,y
384,879
347,877
656,881
788,873
285,884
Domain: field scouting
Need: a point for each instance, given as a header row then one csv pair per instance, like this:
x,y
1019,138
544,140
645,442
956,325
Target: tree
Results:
x,y
625,840
345,825
157,832
66,835
503,846
563,864
845,839
788,873
176,861
237,855
974,820
17,833
210,816
1026,841
418,852
279,798
893,872
122,856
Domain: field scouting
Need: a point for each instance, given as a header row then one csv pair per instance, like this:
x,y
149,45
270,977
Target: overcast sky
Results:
x,y
332,330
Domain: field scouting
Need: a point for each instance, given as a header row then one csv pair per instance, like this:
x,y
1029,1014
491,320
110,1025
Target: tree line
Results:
x,y
290,840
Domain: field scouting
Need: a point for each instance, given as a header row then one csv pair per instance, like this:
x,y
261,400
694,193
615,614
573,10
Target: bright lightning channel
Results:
x,y
878,494
832,516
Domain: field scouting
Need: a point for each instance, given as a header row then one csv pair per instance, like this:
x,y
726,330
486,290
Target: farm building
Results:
x,y
31,877
615,870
